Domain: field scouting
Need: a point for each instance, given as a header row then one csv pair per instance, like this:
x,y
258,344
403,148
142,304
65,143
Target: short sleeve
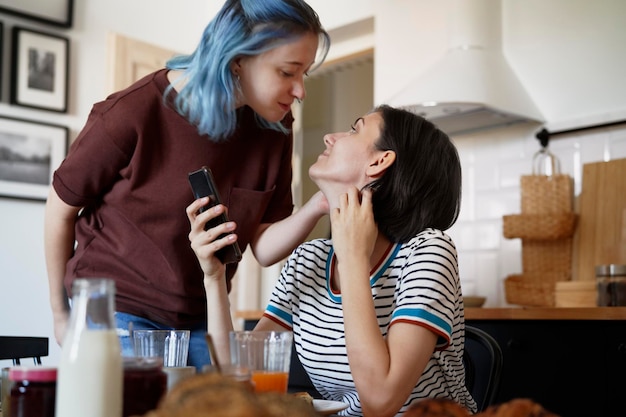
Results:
x,y
93,163
427,293
279,308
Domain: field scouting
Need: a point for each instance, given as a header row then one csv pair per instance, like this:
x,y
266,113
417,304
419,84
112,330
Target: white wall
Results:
x,y
569,52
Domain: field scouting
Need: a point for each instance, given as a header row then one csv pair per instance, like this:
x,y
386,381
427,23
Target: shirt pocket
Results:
x,y
247,208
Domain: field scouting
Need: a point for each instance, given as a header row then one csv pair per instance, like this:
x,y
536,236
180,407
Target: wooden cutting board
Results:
x,y
601,232
575,294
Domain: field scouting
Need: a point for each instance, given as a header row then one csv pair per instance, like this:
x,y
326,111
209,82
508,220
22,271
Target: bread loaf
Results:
x,y
436,407
441,407
519,407
219,396
304,396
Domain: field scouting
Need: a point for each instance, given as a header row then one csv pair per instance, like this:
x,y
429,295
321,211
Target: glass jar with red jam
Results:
x,y
144,385
33,391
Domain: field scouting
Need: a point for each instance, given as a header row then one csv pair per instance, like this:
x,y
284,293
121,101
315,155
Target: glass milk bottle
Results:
x,y
90,370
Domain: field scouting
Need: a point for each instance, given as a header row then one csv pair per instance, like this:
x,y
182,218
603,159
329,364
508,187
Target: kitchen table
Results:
x,y
570,360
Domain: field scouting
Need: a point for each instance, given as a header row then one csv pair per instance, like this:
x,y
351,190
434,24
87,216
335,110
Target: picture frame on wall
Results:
x,y
52,12
30,152
39,70
1,56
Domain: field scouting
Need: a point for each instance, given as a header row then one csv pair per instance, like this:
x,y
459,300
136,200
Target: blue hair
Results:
x,y
241,28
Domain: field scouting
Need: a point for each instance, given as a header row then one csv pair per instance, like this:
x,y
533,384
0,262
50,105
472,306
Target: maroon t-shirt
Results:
x,y
128,169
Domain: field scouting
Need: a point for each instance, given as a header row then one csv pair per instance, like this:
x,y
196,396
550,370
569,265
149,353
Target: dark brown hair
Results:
x,y
422,188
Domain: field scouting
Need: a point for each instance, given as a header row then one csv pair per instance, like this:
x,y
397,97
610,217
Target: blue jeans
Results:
x,y
198,349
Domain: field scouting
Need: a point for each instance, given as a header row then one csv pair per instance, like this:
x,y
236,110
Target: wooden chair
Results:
x,y
483,366
21,347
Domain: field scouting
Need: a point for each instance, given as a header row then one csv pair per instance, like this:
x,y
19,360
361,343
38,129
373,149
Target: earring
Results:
x,y
237,82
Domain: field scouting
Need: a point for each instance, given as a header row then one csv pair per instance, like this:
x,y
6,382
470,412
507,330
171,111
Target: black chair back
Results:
x,y
20,347
483,366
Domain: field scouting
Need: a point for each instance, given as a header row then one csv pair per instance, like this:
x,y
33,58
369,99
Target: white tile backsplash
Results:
x,y
492,205
493,162
510,171
486,173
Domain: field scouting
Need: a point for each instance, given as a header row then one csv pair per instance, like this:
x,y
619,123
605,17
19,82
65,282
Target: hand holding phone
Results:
x,y
203,185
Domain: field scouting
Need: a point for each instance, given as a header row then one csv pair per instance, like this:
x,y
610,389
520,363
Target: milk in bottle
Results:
x,y
90,374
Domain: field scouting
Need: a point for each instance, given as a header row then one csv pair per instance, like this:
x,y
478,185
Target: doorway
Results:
x,y
130,59
337,94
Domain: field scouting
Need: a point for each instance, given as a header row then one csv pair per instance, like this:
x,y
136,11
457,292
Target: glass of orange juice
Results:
x,y
267,354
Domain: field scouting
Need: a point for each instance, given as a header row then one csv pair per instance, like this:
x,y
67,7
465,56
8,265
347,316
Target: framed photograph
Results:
x,y
29,154
1,55
39,70
53,12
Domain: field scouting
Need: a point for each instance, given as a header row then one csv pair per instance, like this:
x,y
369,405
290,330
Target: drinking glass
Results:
x,y
170,345
267,354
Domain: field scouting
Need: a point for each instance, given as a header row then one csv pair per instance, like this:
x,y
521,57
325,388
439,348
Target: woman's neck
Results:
x,y
332,192
381,247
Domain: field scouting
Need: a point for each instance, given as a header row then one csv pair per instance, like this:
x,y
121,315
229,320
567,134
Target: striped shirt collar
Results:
x,y
375,273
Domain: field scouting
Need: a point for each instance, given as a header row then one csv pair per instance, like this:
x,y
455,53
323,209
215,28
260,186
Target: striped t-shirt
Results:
x,y
416,282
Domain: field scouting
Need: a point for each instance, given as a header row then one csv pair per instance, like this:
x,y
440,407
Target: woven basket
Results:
x,y
534,290
542,194
546,227
539,256
539,226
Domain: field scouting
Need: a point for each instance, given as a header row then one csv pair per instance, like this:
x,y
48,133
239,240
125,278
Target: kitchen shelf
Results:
x,y
541,313
516,313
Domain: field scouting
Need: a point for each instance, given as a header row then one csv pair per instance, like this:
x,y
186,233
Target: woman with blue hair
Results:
x,y
116,208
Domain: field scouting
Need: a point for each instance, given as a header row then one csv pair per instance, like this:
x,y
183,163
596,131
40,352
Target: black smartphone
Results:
x,y
203,185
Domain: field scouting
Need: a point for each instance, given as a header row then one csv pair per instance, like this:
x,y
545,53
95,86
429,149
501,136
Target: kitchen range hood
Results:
x,y
472,87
